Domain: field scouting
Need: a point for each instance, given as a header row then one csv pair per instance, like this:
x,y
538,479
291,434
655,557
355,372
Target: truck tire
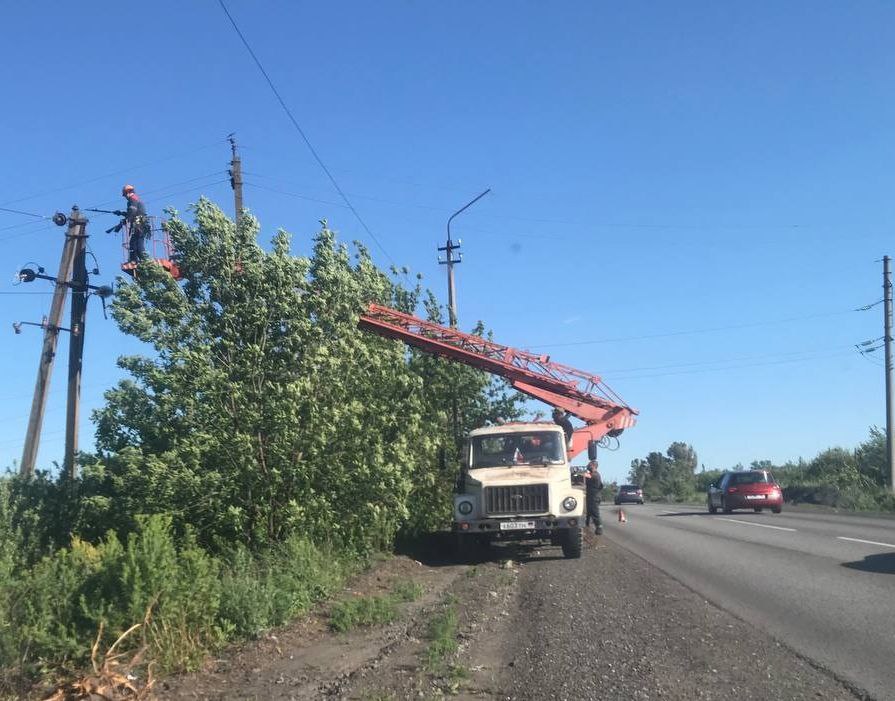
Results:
x,y
572,543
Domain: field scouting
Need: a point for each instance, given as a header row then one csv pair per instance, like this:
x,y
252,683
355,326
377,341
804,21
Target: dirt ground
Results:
x,y
530,625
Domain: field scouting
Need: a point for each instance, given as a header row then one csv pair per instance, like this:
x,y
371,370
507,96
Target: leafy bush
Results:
x,y
856,498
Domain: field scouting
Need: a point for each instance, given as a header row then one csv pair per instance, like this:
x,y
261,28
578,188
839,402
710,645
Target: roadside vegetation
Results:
x,y
441,652
359,611
848,479
261,451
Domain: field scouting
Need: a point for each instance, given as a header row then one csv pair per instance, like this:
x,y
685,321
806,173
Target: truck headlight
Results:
x,y
569,503
465,507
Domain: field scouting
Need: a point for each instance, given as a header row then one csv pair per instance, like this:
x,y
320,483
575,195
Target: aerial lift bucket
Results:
x,y
158,247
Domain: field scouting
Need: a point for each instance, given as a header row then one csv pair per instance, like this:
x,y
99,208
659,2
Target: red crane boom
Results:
x,y
582,394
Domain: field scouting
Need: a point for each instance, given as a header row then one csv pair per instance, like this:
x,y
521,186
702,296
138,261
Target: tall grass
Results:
x,y
191,601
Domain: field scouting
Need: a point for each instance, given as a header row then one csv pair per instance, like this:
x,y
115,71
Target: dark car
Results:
x,y
752,489
629,494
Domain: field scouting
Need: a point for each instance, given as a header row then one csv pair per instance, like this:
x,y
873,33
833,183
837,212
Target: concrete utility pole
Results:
x,y
890,408
76,351
74,233
236,177
450,261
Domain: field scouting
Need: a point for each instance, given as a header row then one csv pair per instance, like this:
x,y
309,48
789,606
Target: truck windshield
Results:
x,y
506,449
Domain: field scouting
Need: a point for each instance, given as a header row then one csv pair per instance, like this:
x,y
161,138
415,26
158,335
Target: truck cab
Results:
x,y
516,484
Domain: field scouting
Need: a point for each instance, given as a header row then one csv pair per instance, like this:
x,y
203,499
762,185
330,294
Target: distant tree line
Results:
x,y
852,479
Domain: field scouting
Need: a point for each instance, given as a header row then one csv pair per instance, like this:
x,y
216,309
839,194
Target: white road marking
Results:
x,y
868,542
760,525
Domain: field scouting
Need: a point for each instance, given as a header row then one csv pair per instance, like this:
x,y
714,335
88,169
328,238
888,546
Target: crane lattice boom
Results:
x,y
582,394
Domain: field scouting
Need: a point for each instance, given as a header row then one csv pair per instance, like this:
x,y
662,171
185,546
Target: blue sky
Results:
x,y
688,197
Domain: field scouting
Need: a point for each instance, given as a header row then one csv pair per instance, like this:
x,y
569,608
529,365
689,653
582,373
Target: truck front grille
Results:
x,y
523,499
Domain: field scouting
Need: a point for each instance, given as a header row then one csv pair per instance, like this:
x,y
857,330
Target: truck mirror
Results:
x,y
591,450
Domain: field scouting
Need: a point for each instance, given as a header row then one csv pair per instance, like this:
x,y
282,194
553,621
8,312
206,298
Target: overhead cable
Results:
x,y
739,367
120,171
806,354
304,137
691,332
26,214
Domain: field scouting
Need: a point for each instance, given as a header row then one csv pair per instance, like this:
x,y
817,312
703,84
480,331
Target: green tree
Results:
x,y
263,410
870,458
668,475
836,466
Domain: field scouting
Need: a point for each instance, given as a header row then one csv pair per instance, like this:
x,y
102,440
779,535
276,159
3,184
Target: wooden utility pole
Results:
x,y
76,226
890,408
76,351
236,177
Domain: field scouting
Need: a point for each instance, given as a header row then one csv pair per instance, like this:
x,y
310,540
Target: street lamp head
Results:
x,y
17,326
27,275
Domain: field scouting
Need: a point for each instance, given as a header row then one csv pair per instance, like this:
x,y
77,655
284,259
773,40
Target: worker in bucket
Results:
x,y
137,224
593,487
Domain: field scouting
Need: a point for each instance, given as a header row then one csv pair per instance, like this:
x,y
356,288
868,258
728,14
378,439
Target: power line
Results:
x,y
691,332
293,194
19,211
304,137
166,187
498,216
806,354
148,192
738,367
120,171
35,226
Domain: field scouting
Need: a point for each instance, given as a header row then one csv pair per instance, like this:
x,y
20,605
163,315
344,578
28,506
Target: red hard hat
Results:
x,y
126,189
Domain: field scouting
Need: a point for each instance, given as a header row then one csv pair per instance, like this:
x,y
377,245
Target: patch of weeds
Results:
x,y
377,696
442,637
473,572
454,677
373,610
407,590
362,611
506,578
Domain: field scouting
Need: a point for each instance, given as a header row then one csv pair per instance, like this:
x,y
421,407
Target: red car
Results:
x,y
753,489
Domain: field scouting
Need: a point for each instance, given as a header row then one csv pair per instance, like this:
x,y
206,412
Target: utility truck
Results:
x,y
516,481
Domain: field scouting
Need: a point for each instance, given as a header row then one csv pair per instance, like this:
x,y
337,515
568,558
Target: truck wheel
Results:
x,y
572,543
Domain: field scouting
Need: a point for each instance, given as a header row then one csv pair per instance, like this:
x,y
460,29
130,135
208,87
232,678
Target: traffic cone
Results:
x,y
621,516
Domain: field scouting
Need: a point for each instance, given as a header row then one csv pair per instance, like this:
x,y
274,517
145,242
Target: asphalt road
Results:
x,y
824,584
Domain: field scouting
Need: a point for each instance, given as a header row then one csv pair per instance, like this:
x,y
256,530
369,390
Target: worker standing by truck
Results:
x,y
593,488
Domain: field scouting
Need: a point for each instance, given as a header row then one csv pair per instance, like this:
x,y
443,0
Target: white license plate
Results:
x,y
516,525
755,496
